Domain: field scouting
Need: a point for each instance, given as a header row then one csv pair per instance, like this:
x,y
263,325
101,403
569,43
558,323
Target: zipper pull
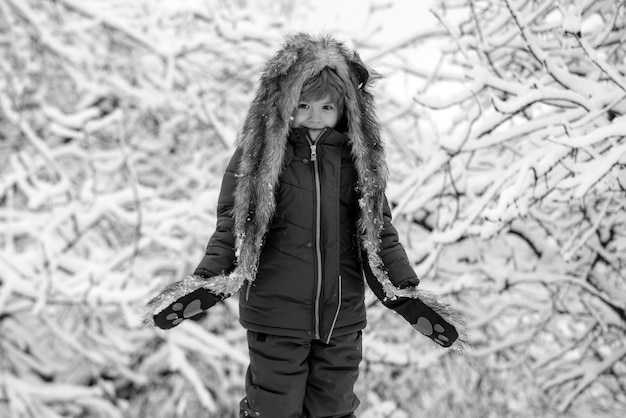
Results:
x,y
313,152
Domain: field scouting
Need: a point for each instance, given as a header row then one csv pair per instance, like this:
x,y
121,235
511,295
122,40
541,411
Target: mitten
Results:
x,y
181,300
424,319
417,312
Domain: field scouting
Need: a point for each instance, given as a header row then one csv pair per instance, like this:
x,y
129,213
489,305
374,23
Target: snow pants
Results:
x,y
302,378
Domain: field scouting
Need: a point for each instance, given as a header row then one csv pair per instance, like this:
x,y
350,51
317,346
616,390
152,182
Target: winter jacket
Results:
x,y
310,279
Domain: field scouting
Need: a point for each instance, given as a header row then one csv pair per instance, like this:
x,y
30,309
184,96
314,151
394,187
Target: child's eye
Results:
x,y
328,107
303,106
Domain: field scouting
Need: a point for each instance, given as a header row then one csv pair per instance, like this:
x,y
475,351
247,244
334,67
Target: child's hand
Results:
x,y
179,301
185,307
425,320
422,317
418,311
428,322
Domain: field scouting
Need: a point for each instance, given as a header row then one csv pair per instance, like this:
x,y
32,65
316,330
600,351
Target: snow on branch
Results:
x,y
529,144
116,123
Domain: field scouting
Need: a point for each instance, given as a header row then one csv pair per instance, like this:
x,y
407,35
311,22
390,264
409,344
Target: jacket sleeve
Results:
x,y
395,261
220,251
393,255
423,315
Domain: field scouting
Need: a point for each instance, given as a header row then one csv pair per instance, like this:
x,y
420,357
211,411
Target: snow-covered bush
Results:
x,y
116,122
513,191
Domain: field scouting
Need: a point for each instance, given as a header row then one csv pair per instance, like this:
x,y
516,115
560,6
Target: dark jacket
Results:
x,y
310,278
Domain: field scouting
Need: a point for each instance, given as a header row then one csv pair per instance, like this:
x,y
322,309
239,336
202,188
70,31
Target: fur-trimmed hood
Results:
x,y
264,135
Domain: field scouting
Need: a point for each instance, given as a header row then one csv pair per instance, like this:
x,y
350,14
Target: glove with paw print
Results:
x,y
425,320
423,312
179,301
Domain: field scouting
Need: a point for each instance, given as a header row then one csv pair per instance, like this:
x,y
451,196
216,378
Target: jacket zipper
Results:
x,y
318,232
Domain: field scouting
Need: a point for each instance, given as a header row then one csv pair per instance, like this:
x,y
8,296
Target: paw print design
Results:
x,y
182,312
435,332
185,307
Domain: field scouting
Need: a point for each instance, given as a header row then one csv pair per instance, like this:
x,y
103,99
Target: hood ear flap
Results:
x,y
362,75
282,62
360,70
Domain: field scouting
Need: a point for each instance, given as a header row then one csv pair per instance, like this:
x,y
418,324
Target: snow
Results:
x,y
504,127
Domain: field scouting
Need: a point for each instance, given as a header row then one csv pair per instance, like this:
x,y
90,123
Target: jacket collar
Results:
x,y
329,137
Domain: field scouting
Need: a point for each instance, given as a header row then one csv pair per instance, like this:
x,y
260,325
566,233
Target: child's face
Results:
x,y
316,115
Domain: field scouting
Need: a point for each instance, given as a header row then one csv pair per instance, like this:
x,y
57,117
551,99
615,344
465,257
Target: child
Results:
x,y
302,217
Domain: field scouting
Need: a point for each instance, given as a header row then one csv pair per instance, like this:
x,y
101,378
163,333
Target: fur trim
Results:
x,y
218,285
